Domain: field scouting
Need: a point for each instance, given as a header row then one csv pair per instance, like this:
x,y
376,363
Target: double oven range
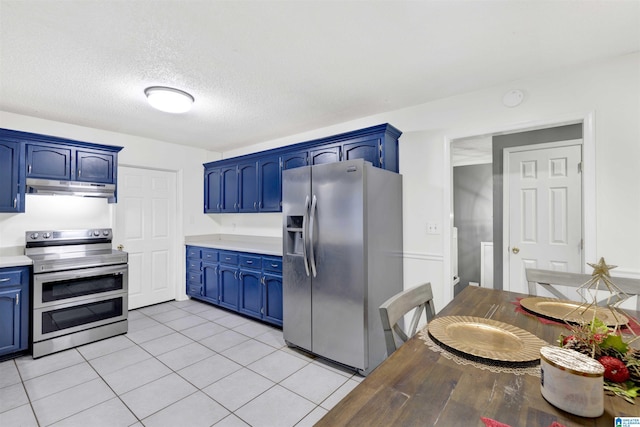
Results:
x,y
80,288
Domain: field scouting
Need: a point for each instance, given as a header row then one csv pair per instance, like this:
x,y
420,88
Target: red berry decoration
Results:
x,y
614,369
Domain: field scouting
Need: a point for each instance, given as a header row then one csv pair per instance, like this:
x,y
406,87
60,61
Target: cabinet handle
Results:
x,y
17,299
29,170
240,275
235,274
255,205
262,310
274,265
4,280
79,172
249,262
15,202
381,159
262,280
260,205
235,206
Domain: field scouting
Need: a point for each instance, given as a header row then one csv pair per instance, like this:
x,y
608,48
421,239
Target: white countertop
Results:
x,y
15,261
237,242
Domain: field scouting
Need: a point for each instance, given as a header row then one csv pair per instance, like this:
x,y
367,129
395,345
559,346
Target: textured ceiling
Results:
x,y
266,69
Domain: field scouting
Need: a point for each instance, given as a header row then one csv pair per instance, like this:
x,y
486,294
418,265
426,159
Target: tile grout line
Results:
x,y
309,359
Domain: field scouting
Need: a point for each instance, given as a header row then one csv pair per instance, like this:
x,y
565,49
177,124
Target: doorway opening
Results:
x,y
476,214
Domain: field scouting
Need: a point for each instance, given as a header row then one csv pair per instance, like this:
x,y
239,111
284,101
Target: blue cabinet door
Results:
x,y
367,149
321,155
93,166
272,298
10,301
270,184
211,281
212,190
250,292
294,160
229,287
248,187
229,191
14,309
49,162
11,196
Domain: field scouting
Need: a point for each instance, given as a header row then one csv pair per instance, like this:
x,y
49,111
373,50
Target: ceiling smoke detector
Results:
x,y
168,99
513,98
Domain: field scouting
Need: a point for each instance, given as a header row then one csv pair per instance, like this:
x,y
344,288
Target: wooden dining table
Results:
x,y
417,386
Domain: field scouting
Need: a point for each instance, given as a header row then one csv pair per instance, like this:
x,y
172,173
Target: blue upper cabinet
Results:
x,y
212,190
49,162
248,186
295,159
26,156
269,184
369,149
325,154
257,185
229,188
11,191
94,166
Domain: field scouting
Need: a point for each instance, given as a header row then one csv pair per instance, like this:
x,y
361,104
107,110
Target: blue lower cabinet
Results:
x,y
229,287
248,283
272,298
211,281
251,292
14,310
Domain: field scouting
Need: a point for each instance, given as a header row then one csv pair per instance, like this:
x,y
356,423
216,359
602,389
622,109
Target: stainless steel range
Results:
x,y
80,288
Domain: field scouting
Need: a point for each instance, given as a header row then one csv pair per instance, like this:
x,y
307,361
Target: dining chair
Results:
x,y
549,279
393,310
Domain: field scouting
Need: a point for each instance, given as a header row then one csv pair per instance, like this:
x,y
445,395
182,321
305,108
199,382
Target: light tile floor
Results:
x,y
182,363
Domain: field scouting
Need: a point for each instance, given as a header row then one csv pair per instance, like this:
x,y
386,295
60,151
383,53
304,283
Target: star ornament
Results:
x,y
601,268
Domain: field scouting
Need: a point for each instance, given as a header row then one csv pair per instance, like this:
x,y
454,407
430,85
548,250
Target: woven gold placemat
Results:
x,y
424,336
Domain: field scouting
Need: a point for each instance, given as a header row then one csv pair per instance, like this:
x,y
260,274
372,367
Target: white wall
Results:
x,y
610,90
63,212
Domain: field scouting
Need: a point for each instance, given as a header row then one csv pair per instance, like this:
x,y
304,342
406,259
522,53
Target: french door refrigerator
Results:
x,y
342,258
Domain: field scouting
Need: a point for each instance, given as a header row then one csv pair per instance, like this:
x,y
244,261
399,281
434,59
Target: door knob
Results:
x,y
515,250
120,247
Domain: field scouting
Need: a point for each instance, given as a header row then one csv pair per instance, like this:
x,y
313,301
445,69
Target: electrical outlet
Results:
x,y
433,228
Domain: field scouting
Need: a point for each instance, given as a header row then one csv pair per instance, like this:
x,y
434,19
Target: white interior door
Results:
x,y
146,227
543,225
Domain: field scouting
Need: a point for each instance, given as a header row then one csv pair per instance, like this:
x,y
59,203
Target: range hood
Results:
x,y
70,188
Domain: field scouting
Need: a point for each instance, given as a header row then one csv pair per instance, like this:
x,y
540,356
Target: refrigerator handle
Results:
x,y
312,257
304,235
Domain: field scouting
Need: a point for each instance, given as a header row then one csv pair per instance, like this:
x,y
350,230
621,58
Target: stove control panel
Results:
x,y
76,236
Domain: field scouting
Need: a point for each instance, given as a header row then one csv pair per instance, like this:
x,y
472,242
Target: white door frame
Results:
x,y
588,180
506,215
179,291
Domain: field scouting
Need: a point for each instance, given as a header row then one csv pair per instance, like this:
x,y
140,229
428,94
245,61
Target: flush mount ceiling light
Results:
x,y
168,99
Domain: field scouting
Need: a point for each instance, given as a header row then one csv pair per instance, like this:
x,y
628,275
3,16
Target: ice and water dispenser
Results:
x,y
294,244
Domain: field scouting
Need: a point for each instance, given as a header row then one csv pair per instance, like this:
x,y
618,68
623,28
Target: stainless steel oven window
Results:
x,y
65,318
65,289
51,289
62,319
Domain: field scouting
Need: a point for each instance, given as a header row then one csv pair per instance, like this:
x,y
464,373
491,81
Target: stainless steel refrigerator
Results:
x,y
342,258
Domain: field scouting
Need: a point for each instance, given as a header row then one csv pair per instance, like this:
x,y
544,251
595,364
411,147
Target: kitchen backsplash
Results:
x,y
52,212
